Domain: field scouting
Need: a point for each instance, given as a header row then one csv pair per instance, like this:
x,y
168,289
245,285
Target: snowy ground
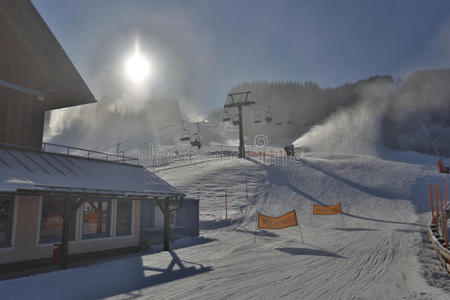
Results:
x,y
376,251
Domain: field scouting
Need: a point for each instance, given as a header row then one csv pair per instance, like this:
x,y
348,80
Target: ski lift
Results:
x,y
257,118
235,120
226,116
289,122
268,118
196,143
279,123
185,136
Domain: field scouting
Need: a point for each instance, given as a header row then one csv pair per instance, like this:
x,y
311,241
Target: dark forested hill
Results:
x,y
415,113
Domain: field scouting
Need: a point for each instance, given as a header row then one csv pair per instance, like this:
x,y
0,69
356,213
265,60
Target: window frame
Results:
x,y
55,240
108,233
11,220
131,210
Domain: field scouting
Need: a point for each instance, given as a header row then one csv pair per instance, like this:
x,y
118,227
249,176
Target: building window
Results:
x,y
52,222
96,218
123,217
6,216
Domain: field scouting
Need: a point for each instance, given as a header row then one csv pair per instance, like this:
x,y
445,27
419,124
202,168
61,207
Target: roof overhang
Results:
x,y
62,84
36,172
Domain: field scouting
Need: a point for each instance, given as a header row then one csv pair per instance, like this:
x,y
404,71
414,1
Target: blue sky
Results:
x,y
202,48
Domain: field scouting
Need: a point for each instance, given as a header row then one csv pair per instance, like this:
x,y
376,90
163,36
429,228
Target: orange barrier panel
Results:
x,y
284,221
327,210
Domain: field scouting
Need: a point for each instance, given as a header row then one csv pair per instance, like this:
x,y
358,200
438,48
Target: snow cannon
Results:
x,y
289,149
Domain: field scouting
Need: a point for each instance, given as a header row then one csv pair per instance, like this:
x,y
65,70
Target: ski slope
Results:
x,y
376,250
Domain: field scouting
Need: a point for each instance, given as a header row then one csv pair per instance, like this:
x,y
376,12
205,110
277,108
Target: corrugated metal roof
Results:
x,y
42,171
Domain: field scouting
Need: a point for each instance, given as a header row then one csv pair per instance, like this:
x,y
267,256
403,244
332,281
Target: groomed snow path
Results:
x,y
375,250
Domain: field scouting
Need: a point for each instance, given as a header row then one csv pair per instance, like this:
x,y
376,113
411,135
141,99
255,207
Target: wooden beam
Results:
x,y
67,218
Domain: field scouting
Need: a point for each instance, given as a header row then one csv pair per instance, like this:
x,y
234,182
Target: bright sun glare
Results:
x,y
137,66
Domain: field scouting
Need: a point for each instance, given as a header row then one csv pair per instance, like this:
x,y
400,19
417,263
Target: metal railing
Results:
x,y
76,151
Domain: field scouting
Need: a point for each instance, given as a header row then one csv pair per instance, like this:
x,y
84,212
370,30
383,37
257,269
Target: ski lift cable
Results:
x,y
153,131
151,140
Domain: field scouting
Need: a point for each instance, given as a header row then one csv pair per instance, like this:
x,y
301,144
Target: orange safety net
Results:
x,y
284,221
327,210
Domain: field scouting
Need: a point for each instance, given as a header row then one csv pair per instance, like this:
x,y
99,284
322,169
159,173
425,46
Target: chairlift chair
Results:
x,y
196,143
268,116
235,120
257,118
226,116
185,136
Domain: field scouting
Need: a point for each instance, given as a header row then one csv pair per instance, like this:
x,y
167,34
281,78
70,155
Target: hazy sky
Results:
x,y
201,48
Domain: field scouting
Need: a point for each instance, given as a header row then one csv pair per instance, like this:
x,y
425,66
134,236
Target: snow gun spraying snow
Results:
x,y
289,149
442,168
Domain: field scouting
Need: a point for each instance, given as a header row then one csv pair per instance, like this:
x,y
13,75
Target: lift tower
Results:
x,y
239,105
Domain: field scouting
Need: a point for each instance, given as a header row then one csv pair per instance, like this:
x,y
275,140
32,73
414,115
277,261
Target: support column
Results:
x,y
66,233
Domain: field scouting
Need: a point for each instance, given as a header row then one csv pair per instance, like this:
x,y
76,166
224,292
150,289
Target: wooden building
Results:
x,y
88,204
32,62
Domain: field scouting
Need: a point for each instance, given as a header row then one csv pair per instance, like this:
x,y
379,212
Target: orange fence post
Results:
x,y
446,189
444,224
437,209
432,207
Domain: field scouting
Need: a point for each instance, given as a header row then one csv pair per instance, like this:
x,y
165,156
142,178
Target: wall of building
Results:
x,y
21,115
152,226
26,226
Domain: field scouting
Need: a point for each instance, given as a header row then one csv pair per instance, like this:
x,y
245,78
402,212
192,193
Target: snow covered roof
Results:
x,y
23,170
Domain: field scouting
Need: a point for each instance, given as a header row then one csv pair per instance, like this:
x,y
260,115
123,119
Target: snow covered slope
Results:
x,y
376,249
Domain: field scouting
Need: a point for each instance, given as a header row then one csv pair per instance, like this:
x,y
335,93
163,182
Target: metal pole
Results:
x,y
226,204
298,225
246,188
241,135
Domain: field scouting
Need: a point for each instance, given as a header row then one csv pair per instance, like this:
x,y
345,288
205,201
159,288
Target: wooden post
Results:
x,y
66,233
198,215
437,209
166,213
432,207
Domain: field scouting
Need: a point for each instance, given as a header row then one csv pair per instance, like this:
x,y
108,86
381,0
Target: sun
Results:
x,y
137,66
